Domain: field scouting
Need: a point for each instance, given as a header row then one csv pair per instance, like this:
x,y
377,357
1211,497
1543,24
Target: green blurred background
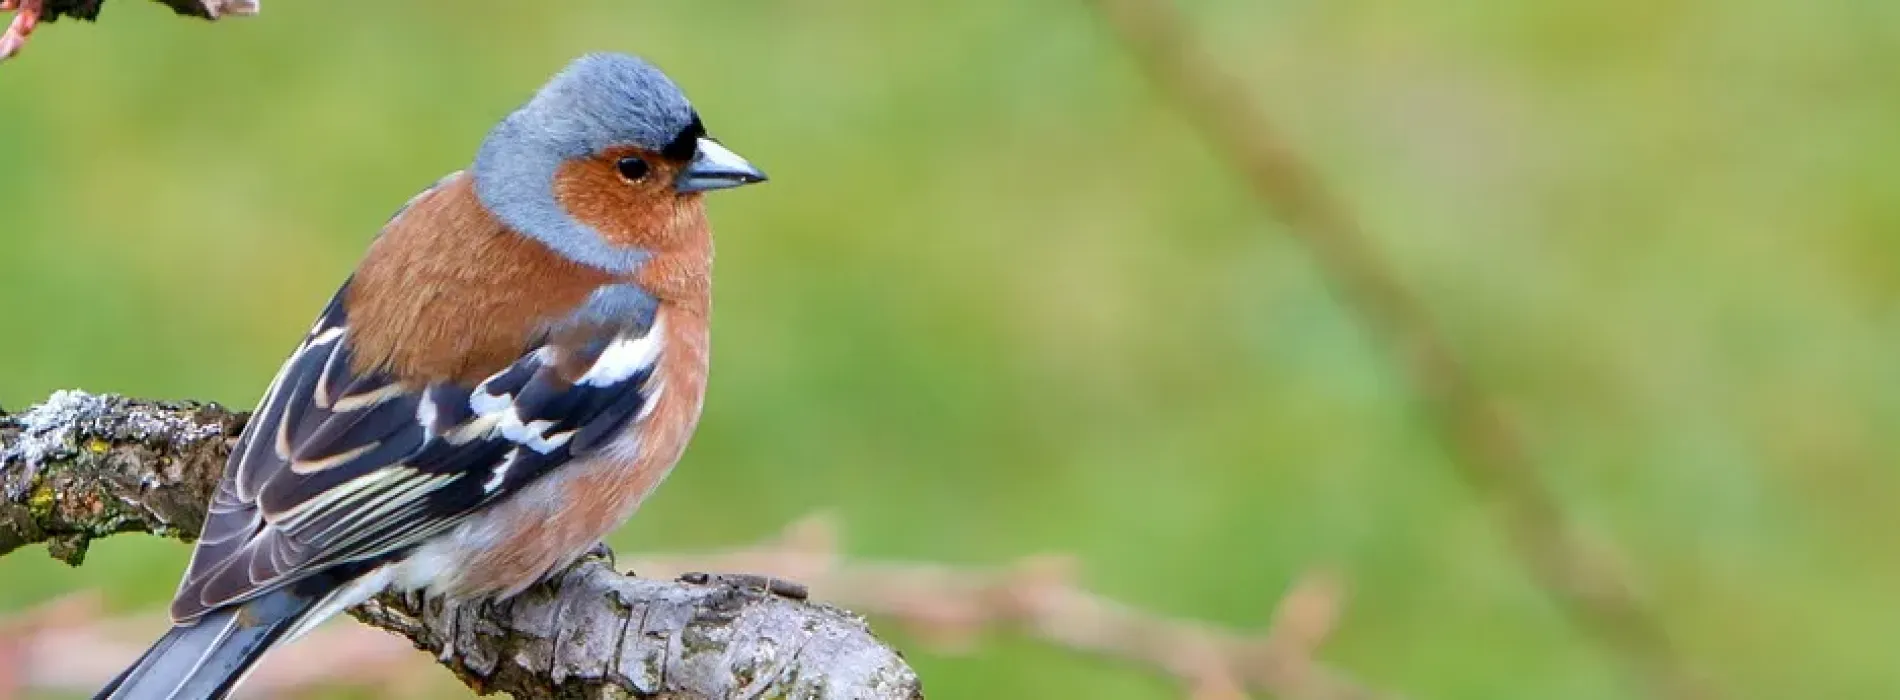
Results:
x,y
998,299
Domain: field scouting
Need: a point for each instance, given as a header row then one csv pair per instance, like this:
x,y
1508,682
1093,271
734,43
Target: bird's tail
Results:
x,y
205,659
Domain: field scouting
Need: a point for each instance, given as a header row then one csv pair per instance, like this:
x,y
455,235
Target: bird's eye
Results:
x,y
632,168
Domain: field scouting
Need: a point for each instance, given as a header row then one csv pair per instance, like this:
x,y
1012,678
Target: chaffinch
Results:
x,y
517,362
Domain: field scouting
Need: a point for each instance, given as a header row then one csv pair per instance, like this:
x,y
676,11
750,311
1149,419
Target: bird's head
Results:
x,y
606,164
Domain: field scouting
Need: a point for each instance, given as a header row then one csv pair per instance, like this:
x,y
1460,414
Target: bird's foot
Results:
x,y
782,588
600,550
26,16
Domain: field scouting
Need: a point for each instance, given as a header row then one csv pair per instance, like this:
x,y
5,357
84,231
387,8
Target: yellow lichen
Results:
x,y
42,501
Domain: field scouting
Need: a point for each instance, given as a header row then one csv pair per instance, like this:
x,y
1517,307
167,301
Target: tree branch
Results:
x,y
29,13
205,9
1577,571
82,466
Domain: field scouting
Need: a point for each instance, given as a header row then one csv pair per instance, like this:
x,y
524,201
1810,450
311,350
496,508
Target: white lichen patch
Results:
x,y
47,429
154,423
52,429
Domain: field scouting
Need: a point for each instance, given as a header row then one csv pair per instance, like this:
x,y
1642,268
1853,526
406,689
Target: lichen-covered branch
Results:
x,y
82,466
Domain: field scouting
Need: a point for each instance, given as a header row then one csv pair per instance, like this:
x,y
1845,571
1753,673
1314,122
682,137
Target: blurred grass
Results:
x,y
998,301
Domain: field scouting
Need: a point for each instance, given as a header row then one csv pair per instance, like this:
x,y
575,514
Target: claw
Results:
x,y
26,17
454,613
600,550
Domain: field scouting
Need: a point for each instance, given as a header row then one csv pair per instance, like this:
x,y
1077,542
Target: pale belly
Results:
x,y
545,526
538,530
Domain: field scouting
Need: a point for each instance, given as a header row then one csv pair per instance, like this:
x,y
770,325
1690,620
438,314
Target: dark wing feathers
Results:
x,y
610,409
339,466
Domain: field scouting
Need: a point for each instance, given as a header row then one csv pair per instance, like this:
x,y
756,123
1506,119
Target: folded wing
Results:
x,y
340,466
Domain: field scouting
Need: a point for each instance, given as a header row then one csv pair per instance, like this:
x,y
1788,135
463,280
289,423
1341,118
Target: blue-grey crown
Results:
x,y
603,100
599,101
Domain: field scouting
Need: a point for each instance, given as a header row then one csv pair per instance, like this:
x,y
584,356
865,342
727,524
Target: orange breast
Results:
x,y
425,313
604,497
450,292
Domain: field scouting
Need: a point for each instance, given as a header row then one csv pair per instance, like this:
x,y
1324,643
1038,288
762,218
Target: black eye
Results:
x,y
632,168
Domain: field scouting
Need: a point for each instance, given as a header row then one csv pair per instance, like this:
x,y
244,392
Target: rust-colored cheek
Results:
x,y
646,214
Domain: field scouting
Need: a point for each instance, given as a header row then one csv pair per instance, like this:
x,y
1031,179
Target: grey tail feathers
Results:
x,y
206,659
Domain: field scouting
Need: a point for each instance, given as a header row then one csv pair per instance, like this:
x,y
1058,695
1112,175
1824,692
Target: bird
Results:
x,y
516,362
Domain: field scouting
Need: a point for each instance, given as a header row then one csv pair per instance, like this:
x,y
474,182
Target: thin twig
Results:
x,y
951,607
30,13
26,17
1491,455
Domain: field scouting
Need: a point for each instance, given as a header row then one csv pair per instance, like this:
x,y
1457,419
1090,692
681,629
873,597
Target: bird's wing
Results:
x,y
339,466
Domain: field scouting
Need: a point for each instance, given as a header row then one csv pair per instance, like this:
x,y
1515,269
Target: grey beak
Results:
x,y
716,167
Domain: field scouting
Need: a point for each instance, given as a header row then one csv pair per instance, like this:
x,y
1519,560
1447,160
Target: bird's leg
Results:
x,y
26,16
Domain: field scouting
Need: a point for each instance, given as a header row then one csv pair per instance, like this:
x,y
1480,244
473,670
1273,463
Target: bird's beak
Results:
x,y
716,167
